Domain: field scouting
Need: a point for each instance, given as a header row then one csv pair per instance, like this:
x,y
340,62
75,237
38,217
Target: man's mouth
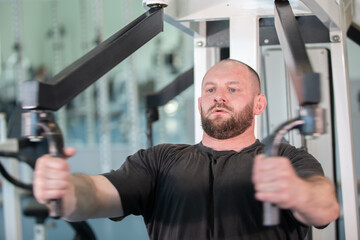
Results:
x,y
219,110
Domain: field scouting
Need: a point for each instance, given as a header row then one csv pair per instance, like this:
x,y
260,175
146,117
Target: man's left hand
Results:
x,y
276,181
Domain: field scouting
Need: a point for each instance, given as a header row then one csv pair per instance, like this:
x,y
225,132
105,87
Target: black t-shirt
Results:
x,y
194,192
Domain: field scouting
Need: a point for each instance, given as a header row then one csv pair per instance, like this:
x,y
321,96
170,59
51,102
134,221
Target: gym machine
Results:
x,y
21,149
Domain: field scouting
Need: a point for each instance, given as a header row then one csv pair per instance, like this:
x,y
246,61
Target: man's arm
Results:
x,y
312,200
83,196
318,205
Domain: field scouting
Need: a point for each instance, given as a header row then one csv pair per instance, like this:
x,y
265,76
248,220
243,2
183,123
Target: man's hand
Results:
x,y
52,177
312,200
83,196
276,181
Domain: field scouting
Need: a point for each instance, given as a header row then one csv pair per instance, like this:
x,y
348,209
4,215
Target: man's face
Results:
x,y
224,128
227,101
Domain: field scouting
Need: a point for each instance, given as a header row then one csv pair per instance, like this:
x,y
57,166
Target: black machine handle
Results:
x,y
311,121
56,149
271,214
38,125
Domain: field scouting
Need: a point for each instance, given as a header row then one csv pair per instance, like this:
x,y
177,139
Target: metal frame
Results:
x,y
337,17
307,26
344,137
204,58
10,193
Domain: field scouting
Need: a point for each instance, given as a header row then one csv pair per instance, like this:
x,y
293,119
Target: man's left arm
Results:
x,y
312,200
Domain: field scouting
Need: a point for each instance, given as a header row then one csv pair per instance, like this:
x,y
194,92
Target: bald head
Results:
x,y
236,67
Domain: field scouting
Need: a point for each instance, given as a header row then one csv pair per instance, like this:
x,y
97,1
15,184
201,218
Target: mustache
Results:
x,y
220,105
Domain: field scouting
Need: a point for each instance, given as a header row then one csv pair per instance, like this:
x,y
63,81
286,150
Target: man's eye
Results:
x,y
210,90
232,90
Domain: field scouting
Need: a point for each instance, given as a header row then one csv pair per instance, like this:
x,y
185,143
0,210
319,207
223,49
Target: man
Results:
x,y
211,190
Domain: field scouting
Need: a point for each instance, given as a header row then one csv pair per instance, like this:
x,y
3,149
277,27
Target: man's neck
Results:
x,y
236,143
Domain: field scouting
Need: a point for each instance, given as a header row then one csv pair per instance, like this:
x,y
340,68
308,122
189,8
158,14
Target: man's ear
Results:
x,y
260,104
199,104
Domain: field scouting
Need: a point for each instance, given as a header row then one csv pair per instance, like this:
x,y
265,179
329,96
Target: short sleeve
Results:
x,y
304,163
135,181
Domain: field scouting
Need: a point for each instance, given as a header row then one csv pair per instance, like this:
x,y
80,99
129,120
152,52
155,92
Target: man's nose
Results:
x,y
220,97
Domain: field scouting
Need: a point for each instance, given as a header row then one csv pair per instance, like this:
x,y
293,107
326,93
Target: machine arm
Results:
x,y
40,97
305,81
74,79
311,119
160,98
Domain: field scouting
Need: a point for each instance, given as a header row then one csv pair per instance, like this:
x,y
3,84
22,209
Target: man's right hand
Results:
x,y
52,177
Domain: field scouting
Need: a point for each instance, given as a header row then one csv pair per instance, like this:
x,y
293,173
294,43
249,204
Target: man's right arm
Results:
x,y
83,196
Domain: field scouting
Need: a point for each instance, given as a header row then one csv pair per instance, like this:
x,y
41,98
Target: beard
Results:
x,y
236,125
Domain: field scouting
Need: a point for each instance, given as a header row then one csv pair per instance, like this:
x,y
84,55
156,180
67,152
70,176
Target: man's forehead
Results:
x,y
231,71
228,74
227,82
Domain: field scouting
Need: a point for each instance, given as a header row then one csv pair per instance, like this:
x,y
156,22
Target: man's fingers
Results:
x,y
274,180
52,174
270,169
53,184
48,162
69,151
268,197
52,177
51,187
45,196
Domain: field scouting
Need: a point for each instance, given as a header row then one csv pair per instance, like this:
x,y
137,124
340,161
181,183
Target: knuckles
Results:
x,y
274,180
51,178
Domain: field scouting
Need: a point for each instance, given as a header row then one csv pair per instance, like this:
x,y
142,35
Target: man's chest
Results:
x,y
199,178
